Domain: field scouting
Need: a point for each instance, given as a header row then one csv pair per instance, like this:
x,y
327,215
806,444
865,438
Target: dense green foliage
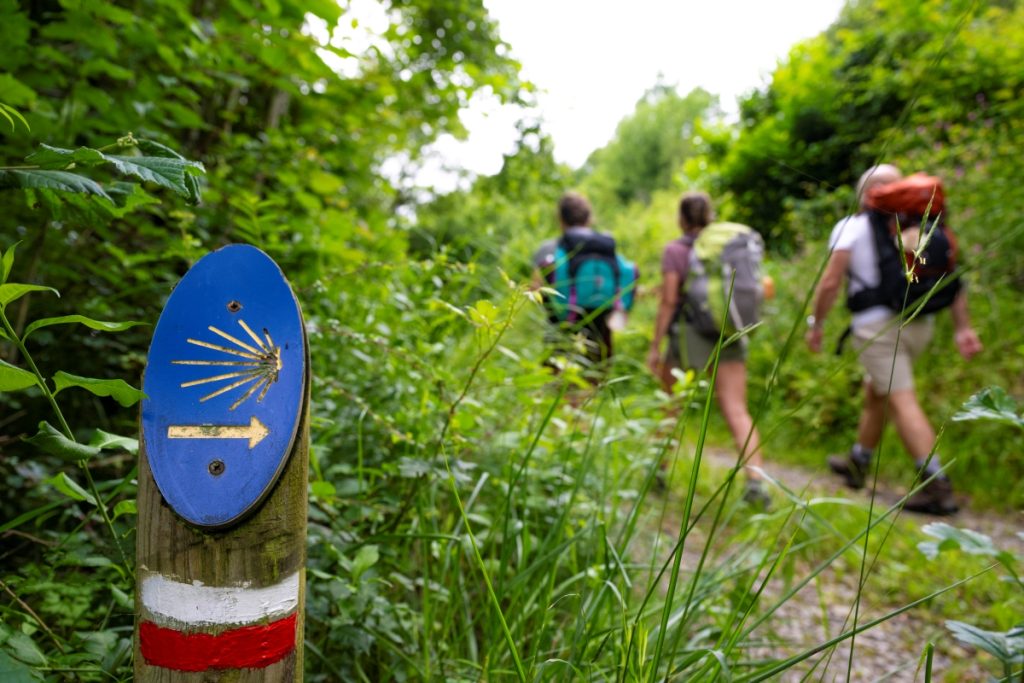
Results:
x,y
471,516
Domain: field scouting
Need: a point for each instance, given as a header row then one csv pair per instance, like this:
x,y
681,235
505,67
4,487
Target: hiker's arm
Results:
x,y
826,294
967,341
666,310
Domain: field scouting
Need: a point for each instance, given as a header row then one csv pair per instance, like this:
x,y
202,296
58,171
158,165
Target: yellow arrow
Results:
x,y
255,431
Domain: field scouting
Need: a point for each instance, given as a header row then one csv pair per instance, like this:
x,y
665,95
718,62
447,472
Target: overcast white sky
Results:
x,y
594,59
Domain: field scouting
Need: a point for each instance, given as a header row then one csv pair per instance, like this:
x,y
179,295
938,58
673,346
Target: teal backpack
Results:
x,y
589,276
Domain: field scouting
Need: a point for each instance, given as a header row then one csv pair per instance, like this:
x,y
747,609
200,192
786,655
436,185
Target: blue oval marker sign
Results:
x,y
225,382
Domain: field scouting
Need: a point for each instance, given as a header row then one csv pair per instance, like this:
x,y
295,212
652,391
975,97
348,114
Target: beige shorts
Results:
x,y
876,345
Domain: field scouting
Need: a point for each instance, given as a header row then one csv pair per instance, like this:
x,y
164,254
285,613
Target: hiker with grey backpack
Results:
x,y
901,261
711,296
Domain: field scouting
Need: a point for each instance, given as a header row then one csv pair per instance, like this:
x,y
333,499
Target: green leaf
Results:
x,y
1006,646
7,263
70,488
166,167
125,507
951,538
10,113
58,158
991,403
164,171
322,489
105,441
24,649
13,91
100,325
365,558
61,181
118,389
51,441
13,671
13,378
123,600
12,291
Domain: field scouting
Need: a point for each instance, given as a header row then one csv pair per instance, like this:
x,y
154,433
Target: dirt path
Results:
x,y
892,650
1001,528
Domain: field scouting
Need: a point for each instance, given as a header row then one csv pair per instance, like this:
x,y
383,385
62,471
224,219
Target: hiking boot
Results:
x,y
849,469
755,496
935,498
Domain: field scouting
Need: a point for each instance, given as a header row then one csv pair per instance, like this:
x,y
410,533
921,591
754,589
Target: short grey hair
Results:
x,y
881,174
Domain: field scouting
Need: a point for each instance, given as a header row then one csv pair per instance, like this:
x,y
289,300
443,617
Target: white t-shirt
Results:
x,y
853,234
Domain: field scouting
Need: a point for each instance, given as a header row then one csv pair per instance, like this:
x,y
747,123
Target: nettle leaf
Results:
x,y
117,389
61,181
165,168
59,158
951,538
991,403
12,291
101,325
13,378
70,488
49,440
106,441
1007,646
167,172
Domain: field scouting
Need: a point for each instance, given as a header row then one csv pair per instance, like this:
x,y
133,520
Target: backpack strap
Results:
x,y
587,244
687,241
885,254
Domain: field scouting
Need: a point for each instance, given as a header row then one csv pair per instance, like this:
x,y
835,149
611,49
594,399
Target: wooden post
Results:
x,y
223,477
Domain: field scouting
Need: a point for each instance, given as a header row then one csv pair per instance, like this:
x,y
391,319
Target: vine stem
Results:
x,y
40,380
481,359
44,387
39,620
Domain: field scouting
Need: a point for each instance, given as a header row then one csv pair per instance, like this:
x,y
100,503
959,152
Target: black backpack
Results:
x,y
935,268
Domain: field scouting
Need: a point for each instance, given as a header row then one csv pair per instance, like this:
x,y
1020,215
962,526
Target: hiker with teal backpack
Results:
x,y
711,296
590,285
892,317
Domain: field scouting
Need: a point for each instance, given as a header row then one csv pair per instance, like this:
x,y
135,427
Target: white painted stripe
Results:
x,y
195,603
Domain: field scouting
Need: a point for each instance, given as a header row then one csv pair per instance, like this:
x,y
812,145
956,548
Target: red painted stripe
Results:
x,y
248,647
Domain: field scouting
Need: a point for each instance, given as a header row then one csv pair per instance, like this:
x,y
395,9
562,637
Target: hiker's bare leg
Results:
x,y
872,418
731,391
912,424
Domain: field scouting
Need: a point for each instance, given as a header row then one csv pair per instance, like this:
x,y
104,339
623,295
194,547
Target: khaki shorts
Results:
x,y
876,345
700,349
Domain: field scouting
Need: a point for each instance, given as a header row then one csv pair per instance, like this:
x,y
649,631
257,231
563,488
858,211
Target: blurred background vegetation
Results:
x,y
426,353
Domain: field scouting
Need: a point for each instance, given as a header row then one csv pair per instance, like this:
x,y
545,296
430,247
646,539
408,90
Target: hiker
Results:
x,y
863,247
594,285
691,284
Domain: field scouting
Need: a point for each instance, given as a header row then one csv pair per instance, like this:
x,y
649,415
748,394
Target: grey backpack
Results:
x,y
725,259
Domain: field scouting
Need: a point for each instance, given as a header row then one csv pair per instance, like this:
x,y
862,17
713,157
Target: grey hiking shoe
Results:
x,y
754,495
849,469
935,498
